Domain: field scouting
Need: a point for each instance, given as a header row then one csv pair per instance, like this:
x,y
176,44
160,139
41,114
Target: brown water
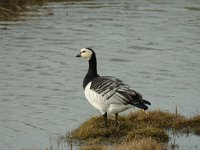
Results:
x,y
154,45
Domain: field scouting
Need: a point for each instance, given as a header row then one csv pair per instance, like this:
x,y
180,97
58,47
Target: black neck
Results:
x,y
92,71
92,66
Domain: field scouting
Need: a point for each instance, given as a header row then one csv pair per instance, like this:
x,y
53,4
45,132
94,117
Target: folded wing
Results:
x,y
114,91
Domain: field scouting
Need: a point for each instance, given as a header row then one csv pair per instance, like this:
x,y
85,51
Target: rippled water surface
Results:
x,y
154,45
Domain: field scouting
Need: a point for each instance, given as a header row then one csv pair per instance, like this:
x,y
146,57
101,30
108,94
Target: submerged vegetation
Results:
x,y
134,130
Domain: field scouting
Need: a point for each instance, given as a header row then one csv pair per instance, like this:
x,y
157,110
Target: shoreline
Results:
x,y
12,8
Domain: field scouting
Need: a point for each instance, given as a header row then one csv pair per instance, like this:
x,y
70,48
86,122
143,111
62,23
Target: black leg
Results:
x,y
105,119
116,117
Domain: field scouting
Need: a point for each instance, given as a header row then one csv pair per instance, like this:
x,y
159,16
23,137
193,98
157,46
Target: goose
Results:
x,y
108,94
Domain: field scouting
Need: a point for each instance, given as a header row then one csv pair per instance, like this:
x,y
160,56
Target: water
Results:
x,y
152,45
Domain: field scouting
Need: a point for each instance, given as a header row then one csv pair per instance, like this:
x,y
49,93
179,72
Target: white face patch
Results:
x,y
86,53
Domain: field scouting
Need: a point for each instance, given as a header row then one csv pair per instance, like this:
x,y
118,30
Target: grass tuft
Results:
x,y
144,144
133,129
159,135
94,129
157,118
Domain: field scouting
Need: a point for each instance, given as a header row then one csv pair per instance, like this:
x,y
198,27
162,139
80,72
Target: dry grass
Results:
x,y
17,5
155,133
92,148
157,118
189,125
144,144
11,8
94,129
133,130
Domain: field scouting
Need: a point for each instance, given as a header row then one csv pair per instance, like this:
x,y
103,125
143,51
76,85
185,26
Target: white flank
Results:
x,y
95,99
116,108
112,105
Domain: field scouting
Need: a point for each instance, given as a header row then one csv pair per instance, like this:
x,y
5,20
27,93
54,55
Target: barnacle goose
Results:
x,y
108,94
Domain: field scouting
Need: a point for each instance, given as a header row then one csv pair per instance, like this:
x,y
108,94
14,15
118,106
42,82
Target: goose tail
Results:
x,y
142,106
146,102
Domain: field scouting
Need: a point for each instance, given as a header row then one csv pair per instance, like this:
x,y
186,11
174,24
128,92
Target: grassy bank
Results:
x,y
11,8
139,130
17,5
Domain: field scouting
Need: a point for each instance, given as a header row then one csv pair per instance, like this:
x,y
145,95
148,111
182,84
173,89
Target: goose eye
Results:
x,y
83,51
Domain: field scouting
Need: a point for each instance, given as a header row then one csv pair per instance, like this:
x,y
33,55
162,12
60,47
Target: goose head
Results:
x,y
86,53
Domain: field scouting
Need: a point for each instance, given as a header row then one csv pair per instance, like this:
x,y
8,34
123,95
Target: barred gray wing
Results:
x,y
103,85
114,90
